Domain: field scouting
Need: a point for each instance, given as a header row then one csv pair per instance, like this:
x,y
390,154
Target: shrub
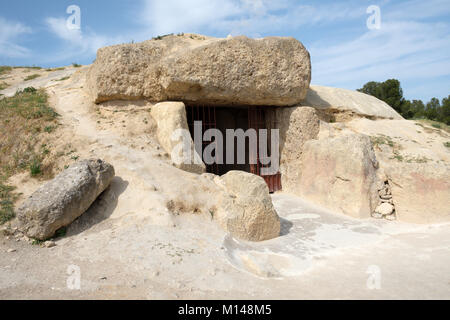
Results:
x,y
29,90
436,125
35,167
49,129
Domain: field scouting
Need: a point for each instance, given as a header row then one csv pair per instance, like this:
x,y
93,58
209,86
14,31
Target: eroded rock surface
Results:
x,y
340,174
297,126
245,209
59,202
234,71
350,103
173,135
414,159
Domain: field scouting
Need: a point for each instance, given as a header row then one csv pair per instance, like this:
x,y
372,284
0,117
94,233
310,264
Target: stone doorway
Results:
x,y
223,118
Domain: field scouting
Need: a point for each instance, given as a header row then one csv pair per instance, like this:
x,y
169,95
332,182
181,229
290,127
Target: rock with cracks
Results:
x,y
341,174
245,210
274,71
60,201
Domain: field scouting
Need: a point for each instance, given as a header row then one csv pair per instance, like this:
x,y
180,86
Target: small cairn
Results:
x,y
386,208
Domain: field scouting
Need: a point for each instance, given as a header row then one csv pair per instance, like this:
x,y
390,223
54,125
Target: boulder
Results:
x,y
274,71
340,174
170,118
335,100
245,209
60,201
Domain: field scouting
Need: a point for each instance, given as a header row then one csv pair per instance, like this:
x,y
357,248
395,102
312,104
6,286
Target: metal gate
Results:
x,y
258,118
206,114
263,118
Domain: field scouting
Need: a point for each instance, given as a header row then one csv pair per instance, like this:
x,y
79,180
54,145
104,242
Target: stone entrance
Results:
x,y
223,118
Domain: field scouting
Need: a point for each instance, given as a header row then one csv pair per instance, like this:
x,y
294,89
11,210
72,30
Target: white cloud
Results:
x,y
9,32
78,44
413,51
250,17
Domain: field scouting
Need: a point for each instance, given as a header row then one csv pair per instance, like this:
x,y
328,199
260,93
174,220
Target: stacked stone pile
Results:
x,y
386,208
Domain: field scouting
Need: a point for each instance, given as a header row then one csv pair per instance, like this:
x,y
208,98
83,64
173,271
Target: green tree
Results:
x,y
390,92
432,109
445,107
418,109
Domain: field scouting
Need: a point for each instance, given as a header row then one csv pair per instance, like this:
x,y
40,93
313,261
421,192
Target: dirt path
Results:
x,y
129,246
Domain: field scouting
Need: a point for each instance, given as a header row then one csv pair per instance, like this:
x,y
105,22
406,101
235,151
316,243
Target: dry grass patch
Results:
x,y
25,118
55,69
431,126
5,69
32,77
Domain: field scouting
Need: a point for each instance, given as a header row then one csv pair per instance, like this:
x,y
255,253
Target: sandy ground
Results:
x,y
129,246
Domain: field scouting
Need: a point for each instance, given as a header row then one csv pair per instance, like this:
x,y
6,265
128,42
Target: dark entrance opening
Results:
x,y
223,118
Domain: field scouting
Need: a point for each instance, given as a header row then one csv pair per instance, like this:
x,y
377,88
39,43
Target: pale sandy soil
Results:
x,y
129,246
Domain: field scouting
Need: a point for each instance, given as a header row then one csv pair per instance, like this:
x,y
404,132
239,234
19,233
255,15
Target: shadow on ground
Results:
x,y
101,209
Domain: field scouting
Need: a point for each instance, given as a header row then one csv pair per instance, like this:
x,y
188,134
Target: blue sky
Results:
x,y
412,44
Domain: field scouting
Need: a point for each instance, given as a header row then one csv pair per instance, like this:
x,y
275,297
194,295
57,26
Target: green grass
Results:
x,y
49,129
3,85
447,144
398,157
35,167
64,78
36,242
32,77
382,139
76,65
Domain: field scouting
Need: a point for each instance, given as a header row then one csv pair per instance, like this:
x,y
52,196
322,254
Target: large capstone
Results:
x,y
273,71
60,201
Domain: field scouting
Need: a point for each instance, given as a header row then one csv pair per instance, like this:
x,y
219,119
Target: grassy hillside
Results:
x,y
24,118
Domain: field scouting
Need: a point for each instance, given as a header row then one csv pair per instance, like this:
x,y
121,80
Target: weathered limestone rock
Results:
x,y
272,71
340,174
245,209
60,201
416,162
297,125
385,209
421,191
337,100
171,118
